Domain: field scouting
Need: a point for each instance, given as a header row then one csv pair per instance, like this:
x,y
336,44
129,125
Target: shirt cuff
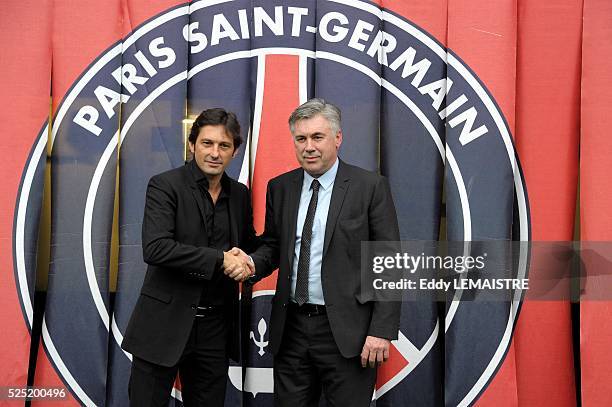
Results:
x,y
253,263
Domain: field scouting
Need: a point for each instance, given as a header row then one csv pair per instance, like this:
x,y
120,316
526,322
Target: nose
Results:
x,y
309,145
215,151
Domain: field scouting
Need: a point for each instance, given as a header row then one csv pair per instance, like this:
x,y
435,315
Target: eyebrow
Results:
x,y
213,141
313,134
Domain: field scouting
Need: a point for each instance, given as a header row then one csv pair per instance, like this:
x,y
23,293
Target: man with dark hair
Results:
x,y
213,117
186,317
325,334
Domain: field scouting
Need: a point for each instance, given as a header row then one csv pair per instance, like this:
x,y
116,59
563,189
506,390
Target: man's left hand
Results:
x,y
375,351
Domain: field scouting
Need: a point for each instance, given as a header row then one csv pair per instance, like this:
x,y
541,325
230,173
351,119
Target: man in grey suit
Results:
x,y
325,335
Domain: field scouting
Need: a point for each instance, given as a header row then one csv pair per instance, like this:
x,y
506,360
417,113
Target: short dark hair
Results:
x,y
213,117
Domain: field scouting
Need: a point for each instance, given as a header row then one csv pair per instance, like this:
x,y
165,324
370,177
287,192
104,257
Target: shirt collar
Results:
x,y
326,180
202,181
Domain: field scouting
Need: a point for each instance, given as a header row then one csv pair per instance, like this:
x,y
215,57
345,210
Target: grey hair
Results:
x,y
314,107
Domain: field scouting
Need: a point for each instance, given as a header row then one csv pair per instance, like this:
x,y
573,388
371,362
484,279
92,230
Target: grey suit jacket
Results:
x,y
361,209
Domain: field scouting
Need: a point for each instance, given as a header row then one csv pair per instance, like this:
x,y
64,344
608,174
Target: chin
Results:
x,y
212,171
315,172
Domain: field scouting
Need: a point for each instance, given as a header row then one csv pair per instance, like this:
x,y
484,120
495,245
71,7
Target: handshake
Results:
x,y
237,265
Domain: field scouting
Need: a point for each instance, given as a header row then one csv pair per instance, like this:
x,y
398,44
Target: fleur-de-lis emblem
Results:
x,y
262,327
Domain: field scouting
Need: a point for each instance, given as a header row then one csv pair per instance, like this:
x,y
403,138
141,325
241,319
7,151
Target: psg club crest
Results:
x,y
222,53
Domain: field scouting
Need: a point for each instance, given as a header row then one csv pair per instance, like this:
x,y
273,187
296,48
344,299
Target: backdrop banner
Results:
x,y
484,116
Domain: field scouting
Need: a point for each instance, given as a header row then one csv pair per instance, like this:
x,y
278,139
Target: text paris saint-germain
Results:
x,y
332,27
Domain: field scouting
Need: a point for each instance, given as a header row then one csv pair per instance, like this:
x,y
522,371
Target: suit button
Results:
x,y
193,306
285,305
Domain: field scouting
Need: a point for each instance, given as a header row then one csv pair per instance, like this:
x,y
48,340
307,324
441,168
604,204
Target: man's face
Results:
x,y
213,150
316,146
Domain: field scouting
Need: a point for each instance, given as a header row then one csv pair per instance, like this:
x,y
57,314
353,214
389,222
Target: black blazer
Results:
x,y
174,245
361,209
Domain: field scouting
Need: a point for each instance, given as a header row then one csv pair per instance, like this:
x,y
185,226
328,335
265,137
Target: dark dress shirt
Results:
x,y
218,231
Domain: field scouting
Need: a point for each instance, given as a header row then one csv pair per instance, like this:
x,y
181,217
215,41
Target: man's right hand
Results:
x,y
246,258
237,265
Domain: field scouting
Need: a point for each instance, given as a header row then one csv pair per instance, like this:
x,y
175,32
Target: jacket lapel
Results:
x,y
341,185
293,203
197,196
234,211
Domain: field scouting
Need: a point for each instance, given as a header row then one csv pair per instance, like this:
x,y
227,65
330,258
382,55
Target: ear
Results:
x,y
191,148
338,139
235,152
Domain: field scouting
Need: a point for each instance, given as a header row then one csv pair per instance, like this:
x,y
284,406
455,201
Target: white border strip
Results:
x,y
412,354
59,363
303,79
259,90
20,225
